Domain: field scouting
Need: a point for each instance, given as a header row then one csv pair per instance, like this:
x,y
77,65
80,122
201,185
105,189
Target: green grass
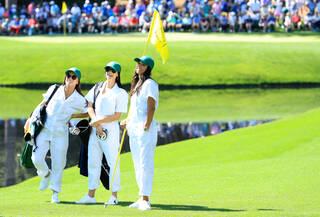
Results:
x,y
195,59
267,170
194,105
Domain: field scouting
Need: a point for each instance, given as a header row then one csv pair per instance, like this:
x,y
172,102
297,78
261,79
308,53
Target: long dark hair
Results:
x,y
118,81
78,87
135,79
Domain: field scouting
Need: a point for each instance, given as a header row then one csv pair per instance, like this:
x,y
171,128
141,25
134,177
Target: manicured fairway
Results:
x,y
267,170
194,105
195,59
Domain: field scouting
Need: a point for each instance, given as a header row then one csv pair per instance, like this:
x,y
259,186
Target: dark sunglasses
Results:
x,y
140,62
110,69
74,77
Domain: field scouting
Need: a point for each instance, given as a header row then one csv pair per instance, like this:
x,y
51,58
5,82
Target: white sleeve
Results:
x,y
90,95
48,93
122,102
83,106
152,90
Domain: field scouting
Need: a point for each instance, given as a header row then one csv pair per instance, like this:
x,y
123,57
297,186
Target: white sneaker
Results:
x,y
44,182
112,200
135,204
55,198
144,205
86,199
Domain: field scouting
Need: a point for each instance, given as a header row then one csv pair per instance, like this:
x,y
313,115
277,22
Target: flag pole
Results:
x,y
114,171
64,10
149,35
64,26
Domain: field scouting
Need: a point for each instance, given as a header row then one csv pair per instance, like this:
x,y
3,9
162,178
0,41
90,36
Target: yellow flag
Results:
x,y
64,8
156,36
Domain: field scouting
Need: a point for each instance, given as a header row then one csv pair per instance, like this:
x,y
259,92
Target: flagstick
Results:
x,y
146,45
114,171
64,26
145,49
150,32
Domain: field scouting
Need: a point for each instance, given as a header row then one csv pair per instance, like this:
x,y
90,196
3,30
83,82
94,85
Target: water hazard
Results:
x,y
11,143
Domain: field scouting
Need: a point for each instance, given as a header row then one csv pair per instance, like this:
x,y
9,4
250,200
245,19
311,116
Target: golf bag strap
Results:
x,y
96,93
53,92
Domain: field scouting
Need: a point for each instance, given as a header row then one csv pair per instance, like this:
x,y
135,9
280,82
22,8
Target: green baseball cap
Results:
x,y
76,71
145,60
114,65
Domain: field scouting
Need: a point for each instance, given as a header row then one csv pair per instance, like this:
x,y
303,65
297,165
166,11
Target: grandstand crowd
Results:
x,y
192,16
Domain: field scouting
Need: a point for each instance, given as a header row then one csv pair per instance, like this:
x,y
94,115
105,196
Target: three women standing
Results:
x,y
104,110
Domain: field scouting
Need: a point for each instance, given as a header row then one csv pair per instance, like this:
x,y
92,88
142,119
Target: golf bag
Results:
x,y
84,134
36,125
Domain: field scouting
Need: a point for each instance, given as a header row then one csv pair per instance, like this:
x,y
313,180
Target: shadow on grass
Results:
x,y
269,209
180,207
175,207
74,203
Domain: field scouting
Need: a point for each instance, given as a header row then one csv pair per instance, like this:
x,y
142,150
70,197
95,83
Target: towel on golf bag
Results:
x,y
84,134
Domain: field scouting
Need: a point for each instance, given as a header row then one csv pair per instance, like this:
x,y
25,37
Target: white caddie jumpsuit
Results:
x,y
143,143
55,135
107,104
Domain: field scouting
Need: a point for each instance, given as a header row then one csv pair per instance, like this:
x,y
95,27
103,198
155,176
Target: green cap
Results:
x,y
76,71
114,65
145,60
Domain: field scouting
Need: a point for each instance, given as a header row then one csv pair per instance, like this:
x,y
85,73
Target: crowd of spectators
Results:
x,y
193,15
169,132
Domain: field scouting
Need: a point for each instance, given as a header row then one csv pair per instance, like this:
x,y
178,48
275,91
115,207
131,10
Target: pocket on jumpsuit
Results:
x,y
135,129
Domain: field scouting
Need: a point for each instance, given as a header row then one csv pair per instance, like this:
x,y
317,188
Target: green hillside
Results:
x,y
267,170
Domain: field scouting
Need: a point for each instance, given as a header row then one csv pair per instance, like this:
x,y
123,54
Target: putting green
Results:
x,y
266,170
195,59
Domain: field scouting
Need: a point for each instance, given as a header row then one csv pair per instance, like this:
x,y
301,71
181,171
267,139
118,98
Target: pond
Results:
x,y
11,143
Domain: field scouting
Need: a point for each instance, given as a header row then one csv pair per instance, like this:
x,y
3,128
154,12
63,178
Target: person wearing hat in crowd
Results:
x,y
142,129
110,102
114,23
66,100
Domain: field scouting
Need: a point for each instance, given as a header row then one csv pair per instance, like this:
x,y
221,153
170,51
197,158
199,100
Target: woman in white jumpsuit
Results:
x,y
111,102
67,100
142,129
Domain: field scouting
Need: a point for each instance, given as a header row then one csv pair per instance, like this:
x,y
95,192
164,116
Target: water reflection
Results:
x,y
11,143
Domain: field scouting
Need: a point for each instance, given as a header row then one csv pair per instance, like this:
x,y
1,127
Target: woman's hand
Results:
x,y
94,123
72,116
99,130
151,110
146,126
123,124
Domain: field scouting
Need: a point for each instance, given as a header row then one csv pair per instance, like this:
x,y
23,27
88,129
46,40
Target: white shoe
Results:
x,y
55,198
86,199
144,205
135,204
44,183
112,200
